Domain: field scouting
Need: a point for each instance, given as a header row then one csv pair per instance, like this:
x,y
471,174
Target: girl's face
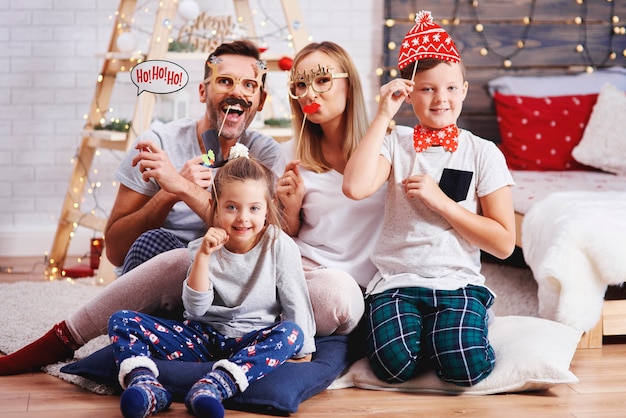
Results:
x,y
438,95
332,102
242,210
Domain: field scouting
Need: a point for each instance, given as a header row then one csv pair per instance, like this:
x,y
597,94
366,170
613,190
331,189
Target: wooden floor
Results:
x,y
601,392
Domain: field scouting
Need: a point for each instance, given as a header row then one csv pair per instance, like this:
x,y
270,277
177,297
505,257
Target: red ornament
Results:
x,y
311,108
285,63
262,49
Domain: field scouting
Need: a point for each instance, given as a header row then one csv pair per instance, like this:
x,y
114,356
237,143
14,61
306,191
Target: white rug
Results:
x,y
29,309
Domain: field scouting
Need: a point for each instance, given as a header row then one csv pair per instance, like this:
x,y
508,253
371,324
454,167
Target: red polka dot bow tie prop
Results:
x,y
446,137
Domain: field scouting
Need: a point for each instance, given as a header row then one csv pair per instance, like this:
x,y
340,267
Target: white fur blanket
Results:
x,y
575,243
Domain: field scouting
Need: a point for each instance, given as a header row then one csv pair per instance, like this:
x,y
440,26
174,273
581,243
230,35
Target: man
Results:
x,y
163,194
161,203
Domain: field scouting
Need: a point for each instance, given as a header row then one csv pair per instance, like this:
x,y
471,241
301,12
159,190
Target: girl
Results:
x,y
245,299
334,234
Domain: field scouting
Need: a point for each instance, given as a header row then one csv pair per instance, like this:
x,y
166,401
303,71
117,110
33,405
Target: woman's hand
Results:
x,y
290,186
290,193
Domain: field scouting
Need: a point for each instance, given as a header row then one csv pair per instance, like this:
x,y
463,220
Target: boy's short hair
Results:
x,y
426,64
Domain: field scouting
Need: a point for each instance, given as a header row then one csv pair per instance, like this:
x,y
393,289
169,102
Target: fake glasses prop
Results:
x,y
223,83
299,88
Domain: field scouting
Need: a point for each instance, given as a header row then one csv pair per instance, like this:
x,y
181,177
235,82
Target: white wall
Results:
x,y
48,66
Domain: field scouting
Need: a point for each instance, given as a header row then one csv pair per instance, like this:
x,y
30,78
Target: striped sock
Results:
x,y
205,397
144,395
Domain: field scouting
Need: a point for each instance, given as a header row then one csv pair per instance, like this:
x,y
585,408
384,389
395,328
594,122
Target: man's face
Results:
x,y
228,92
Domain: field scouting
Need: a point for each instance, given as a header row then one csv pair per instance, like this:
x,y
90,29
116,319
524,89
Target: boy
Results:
x,y
448,197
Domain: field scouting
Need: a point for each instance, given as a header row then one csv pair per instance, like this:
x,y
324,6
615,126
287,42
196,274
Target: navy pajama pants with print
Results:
x,y
410,330
257,353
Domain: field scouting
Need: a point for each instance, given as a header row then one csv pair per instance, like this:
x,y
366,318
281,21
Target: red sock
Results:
x,y
56,345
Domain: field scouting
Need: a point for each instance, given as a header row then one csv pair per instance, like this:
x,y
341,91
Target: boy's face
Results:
x,y
438,95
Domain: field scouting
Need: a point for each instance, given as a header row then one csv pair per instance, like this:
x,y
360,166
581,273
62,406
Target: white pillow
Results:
x,y
561,85
531,354
603,144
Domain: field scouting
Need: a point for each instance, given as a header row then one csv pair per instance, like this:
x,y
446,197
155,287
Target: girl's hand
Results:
x,y
214,239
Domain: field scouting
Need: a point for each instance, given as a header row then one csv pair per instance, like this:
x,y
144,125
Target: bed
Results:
x,y
564,138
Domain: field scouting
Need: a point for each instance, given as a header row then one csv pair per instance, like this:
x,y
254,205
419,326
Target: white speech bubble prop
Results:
x,y
158,76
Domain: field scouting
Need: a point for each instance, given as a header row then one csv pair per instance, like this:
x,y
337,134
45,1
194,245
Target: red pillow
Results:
x,y
539,133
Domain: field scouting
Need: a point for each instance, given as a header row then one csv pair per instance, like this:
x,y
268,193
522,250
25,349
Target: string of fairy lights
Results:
x,y
479,25
131,28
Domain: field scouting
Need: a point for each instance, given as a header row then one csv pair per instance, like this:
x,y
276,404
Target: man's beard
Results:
x,y
232,132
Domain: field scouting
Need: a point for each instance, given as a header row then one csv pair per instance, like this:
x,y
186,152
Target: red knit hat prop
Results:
x,y
427,40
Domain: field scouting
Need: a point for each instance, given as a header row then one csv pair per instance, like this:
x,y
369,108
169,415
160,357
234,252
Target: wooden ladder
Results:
x,y
116,62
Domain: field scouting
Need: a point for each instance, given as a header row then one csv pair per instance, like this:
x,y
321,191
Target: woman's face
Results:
x,y
319,68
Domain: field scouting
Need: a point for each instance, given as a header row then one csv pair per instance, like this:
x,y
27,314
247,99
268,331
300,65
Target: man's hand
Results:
x,y
154,163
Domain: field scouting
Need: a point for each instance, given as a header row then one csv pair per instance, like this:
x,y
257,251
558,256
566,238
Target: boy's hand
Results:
x,y
424,188
392,95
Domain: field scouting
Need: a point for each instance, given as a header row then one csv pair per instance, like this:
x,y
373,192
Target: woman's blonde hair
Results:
x,y
355,121
239,170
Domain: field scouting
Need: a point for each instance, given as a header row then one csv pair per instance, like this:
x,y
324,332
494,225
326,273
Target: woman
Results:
x,y
335,234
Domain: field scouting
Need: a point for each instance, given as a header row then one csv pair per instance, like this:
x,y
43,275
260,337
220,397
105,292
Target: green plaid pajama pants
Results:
x,y
410,330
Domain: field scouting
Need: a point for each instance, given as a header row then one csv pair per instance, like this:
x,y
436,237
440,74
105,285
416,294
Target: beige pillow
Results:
x,y
603,144
531,354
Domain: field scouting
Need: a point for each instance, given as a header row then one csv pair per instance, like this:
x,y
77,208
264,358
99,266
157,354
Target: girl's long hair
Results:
x,y
308,148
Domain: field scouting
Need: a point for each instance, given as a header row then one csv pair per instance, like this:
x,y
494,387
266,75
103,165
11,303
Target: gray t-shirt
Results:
x,y
254,290
418,247
179,140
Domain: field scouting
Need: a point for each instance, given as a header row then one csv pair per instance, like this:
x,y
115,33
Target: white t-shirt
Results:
x,y
418,247
336,232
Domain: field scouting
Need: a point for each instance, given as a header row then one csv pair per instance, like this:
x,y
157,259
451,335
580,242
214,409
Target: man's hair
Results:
x,y
242,47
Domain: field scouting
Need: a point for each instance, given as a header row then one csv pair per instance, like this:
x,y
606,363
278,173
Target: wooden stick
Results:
x,y
223,121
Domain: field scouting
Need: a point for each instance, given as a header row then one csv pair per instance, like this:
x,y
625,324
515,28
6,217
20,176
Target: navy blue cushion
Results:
x,y
278,393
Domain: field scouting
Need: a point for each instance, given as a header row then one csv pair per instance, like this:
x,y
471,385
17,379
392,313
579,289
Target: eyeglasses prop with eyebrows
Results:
x,y
320,80
225,83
